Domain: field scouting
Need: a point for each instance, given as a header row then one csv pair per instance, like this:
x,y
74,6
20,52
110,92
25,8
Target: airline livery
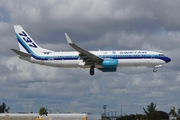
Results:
x,y
105,61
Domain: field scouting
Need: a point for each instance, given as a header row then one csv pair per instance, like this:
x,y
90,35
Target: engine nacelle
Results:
x,y
110,63
108,69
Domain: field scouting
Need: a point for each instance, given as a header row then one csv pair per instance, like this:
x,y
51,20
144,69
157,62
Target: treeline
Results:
x,y
4,109
158,115
151,113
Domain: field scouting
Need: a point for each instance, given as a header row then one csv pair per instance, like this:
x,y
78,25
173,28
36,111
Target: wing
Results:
x,y
86,56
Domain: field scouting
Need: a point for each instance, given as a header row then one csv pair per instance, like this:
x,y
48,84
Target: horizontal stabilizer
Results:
x,y
21,53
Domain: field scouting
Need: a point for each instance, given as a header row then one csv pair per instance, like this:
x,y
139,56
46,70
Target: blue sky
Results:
x,y
93,25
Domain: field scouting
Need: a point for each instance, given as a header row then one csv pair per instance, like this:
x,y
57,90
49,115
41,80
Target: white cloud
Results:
x,y
154,94
174,88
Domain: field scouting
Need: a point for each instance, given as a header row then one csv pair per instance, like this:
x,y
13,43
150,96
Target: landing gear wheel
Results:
x,y
91,71
154,70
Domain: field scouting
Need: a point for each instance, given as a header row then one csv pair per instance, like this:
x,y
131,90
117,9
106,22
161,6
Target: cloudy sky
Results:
x,y
92,24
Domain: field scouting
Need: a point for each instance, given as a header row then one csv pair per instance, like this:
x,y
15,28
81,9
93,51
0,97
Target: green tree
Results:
x,y
3,108
173,112
150,108
163,115
151,113
126,117
43,111
154,116
140,117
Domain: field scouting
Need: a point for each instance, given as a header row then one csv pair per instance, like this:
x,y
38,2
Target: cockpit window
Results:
x,y
161,55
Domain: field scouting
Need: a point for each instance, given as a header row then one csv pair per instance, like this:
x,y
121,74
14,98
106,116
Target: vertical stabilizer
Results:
x,y
26,43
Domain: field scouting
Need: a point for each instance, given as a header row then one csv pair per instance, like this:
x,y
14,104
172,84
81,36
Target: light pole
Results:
x,y
104,107
121,111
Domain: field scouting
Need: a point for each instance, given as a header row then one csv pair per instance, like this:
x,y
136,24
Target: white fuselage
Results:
x,y
72,60
106,61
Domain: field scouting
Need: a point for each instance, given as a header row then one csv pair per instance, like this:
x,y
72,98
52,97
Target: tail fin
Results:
x,y
26,43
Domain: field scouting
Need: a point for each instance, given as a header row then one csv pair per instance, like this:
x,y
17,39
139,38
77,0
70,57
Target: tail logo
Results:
x,y
27,40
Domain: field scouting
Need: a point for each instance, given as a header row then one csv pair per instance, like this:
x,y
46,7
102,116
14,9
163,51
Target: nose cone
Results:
x,y
167,59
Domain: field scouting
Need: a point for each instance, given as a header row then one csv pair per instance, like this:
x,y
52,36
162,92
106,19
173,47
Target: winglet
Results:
x,y
68,39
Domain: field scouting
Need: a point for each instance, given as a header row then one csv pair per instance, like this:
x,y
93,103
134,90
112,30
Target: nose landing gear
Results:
x,y
154,70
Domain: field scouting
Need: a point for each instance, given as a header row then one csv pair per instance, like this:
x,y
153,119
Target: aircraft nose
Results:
x,y
167,59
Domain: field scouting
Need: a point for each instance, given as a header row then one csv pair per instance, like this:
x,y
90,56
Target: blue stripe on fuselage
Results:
x,y
35,56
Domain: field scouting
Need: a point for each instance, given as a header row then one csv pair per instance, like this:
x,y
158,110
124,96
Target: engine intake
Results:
x,y
110,63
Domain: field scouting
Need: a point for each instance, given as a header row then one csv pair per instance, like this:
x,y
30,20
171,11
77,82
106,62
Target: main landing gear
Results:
x,y
91,70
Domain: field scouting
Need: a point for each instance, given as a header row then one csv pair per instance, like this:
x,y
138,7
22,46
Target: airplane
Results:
x,y
105,61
